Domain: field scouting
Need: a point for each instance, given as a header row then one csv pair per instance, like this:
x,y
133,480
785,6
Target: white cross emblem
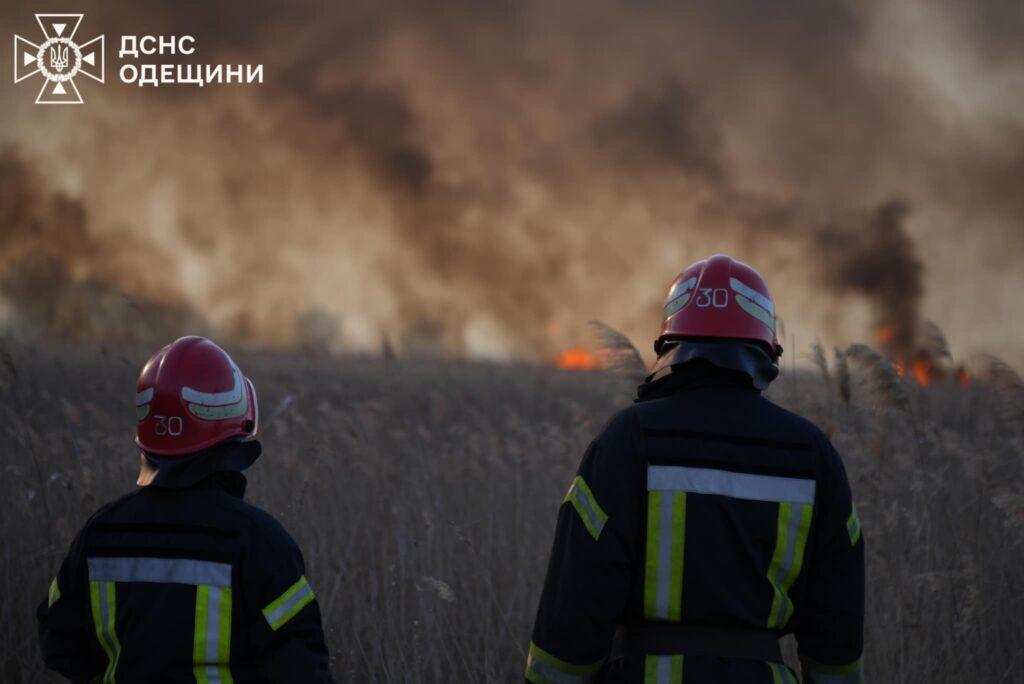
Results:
x,y
59,59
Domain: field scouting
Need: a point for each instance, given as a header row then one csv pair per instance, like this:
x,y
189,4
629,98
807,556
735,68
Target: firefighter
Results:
x,y
704,521
181,580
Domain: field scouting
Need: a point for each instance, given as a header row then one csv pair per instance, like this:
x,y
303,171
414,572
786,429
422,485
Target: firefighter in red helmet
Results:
x,y
181,580
705,522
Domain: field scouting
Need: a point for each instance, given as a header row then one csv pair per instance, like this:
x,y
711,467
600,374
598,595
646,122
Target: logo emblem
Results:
x,y
59,59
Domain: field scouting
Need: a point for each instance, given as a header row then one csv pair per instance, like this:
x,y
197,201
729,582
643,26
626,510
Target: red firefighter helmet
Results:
x,y
190,396
720,297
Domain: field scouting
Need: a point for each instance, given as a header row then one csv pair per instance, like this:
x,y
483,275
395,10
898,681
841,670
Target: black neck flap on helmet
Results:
x,y
231,456
677,356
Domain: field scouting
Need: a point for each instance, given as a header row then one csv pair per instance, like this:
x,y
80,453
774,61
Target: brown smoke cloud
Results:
x,y
486,177
68,282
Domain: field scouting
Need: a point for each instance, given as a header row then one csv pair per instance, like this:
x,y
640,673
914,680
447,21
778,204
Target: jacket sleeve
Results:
x,y
831,633
282,613
66,636
590,570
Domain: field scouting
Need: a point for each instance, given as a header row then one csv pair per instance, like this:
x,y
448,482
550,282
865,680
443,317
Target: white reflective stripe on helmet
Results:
x,y
224,412
728,483
753,295
682,287
678,297
758,312
255,408
144,397
232,396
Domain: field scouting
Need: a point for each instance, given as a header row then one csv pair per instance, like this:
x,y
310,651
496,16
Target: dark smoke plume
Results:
x,y
875,258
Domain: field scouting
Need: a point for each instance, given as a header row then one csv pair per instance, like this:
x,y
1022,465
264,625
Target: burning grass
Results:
x,y
424,496
577,358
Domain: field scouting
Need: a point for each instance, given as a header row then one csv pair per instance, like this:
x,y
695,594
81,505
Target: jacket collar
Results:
x,y
694,374
713,359
220,466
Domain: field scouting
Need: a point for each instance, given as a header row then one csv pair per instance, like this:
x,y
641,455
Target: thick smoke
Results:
x,y
875,258
486,177
63,280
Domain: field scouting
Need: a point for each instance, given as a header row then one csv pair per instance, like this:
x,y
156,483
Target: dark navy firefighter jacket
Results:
x,y
184,584
704,505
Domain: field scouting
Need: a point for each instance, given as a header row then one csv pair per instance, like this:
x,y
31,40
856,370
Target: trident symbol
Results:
x,y
59,57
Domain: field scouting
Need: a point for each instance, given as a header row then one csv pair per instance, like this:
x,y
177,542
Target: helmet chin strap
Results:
x,y
748,358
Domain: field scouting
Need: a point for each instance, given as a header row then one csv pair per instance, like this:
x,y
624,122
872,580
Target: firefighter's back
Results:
x,y
169,562
704,523
193,584
733,485
182,581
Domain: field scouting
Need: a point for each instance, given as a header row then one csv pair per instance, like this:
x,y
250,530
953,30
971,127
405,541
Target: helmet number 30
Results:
x,y
168,425
708,297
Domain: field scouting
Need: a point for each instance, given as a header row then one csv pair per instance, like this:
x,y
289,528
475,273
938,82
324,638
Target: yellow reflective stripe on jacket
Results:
x,y
820,673
53,594
103,599
663,669
666,544
794,524
781,674
211,641
583,501
544,668
288,604
853,525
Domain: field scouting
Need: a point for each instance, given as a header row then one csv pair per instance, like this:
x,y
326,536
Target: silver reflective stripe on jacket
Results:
x,y
167,570
727,483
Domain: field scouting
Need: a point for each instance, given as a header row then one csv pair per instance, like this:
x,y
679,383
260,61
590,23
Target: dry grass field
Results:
x,y
424,496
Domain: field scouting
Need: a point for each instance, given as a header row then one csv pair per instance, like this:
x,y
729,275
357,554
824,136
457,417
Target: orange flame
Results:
x,y
576,359
923,372
963,377
901,370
